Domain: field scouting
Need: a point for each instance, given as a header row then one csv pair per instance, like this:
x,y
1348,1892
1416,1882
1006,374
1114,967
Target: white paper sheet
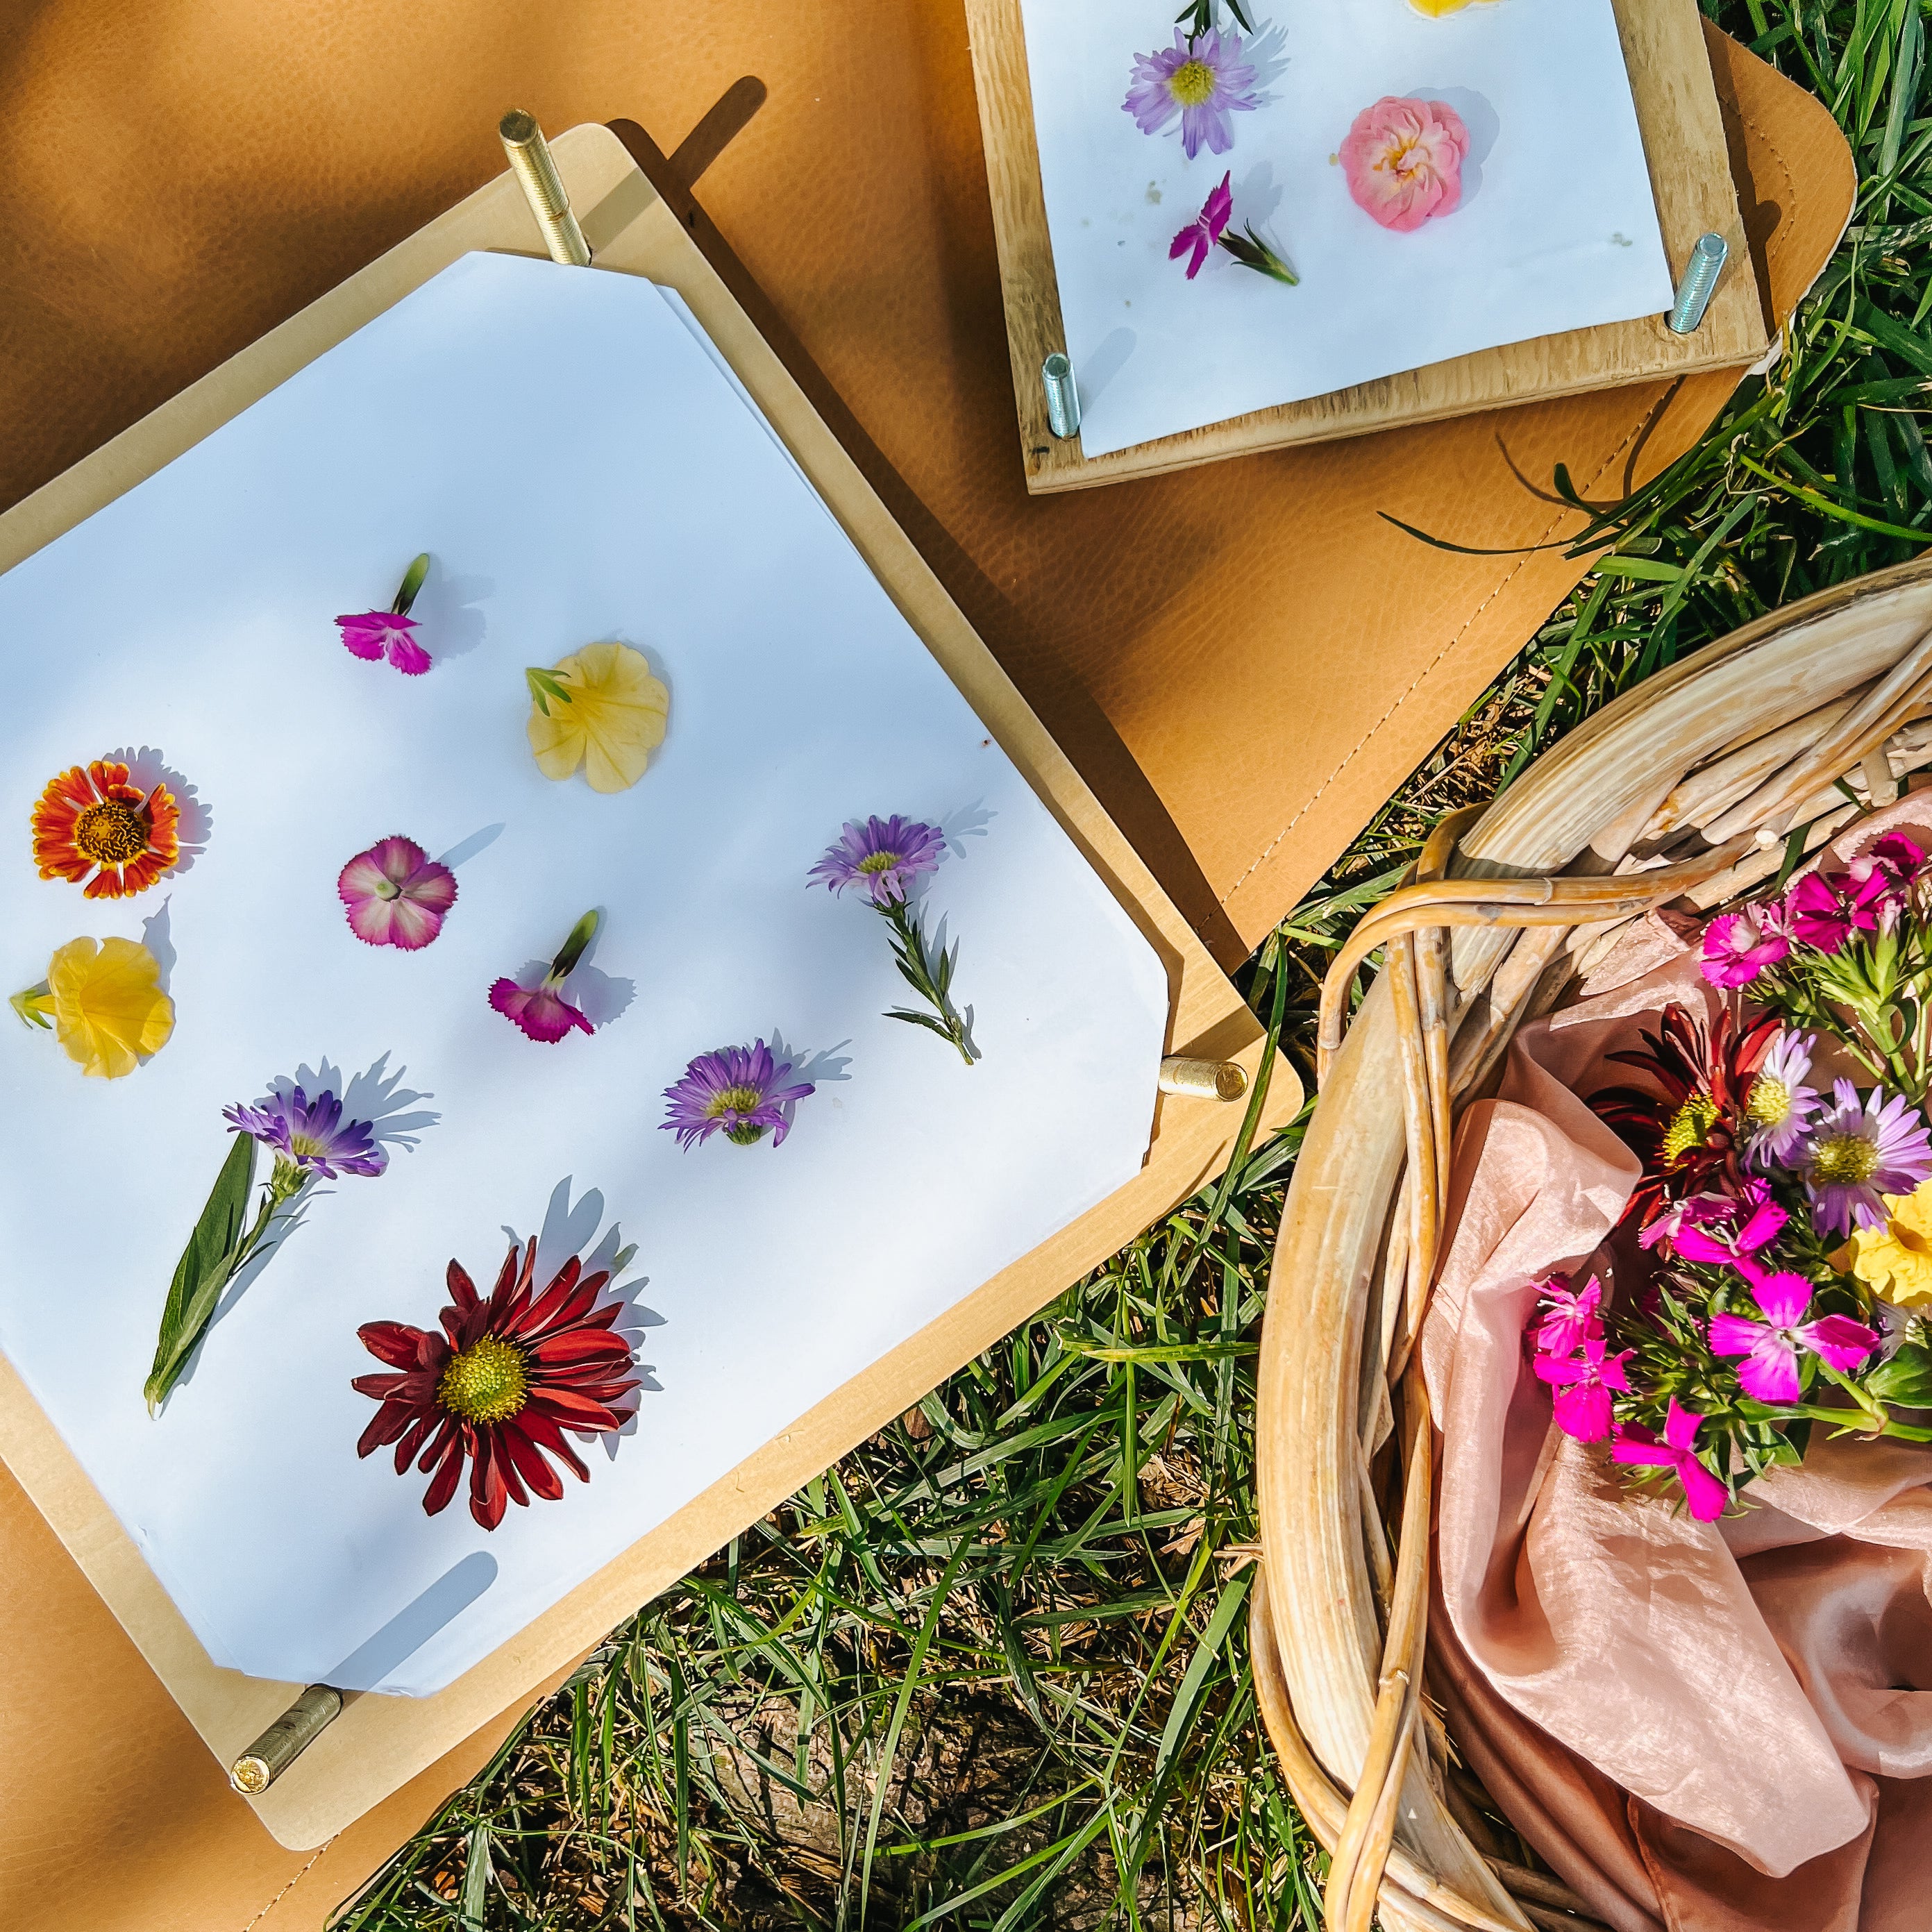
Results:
x,y
1557,229
580,470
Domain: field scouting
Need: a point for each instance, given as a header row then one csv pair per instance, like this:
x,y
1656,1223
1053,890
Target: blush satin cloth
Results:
x,y
1705,1727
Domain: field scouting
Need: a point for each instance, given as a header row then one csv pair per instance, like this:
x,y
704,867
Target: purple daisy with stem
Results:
x,y
889,857
310,1135
1203,78
540,1013
1771,1347
374,635
1861,1148
742,1092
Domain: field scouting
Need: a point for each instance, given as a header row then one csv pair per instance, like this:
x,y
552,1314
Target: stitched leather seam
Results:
x,y
1428,669
1778,239
285,1891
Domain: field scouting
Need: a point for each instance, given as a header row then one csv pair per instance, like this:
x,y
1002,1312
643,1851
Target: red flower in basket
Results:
x,y
500,1385
1692,1135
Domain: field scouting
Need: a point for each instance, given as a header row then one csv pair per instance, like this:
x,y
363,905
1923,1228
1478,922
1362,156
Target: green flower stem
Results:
x,y
930,978
214,1257
35,1005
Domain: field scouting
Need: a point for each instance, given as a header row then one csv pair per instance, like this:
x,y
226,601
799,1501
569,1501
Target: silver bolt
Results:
x,y
1700,281
1063,397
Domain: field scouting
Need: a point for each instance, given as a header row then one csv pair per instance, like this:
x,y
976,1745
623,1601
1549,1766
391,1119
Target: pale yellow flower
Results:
x,y
1436,9
614,720
103,999
1895,1262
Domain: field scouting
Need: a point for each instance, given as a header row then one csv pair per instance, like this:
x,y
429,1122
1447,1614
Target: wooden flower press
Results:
x,y
377,1744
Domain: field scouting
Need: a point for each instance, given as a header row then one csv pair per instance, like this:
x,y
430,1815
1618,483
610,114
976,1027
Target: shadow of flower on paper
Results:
x,y
464,849
147,768
449,611
157,936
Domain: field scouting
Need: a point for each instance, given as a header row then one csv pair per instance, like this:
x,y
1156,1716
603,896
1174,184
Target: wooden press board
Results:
x,y
378,1743
1690,172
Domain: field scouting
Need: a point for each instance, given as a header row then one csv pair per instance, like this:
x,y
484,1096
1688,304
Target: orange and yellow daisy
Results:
x,y
92,825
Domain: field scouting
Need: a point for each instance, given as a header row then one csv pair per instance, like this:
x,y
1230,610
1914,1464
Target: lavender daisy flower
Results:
x,y
1859,1151
1781,1105
311,1135
739,1091
1203,78
888,856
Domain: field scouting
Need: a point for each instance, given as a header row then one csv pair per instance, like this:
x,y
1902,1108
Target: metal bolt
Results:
x,y
285,1740
1700,281
1205,1079
543,188
1062,396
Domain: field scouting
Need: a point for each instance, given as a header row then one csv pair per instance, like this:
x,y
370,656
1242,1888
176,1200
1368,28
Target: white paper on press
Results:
x,y
579,468
1557,229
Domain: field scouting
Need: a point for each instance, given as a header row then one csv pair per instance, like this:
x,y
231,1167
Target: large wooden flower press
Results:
x,y
1241,662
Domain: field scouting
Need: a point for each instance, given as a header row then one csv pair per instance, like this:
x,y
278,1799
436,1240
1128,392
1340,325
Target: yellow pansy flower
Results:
x,y
599,708
1895,1262
103,999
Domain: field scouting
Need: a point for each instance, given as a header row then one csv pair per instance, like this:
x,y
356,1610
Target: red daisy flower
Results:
x,y
94,825
1691,1137
500,1385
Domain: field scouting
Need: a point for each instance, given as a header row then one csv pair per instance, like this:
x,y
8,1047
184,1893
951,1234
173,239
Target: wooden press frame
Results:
x,y
1684,142
378,1743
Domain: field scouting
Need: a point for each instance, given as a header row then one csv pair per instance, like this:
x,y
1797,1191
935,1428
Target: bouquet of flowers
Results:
x,y
1782,1258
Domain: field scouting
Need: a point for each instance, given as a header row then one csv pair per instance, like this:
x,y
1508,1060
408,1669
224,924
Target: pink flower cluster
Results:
x,y
1821,911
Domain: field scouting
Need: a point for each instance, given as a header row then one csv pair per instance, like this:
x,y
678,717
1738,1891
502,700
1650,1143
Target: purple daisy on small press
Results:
x,y
739,1091
311,1135
1859,1150
888,856
1203,80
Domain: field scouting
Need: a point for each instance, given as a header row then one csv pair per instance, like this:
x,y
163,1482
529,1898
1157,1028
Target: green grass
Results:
x,y
991,1672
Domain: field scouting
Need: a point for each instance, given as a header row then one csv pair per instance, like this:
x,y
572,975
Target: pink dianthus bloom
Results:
x,y
373,635
1403,160
1571,1316
1824,912
396,894
1581,1386
1201,234
1770,1348
1677,1450
1739,946
1704,1230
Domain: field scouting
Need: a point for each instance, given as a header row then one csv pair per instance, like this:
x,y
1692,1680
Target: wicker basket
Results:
x,y
1686,789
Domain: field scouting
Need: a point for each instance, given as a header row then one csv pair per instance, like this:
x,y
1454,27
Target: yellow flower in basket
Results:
x,y
1896,1261
1436,9
103,999
599,708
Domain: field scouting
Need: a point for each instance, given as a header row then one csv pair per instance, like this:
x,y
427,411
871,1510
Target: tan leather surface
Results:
x,y
1242,659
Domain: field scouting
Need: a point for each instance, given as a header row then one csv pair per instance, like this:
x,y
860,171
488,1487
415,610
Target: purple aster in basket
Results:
x,y
1203,80
738,1090
1859,1150
888,856
311,1135
1781,1105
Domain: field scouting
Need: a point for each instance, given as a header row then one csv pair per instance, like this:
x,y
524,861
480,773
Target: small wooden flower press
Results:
x,y
1684,140
378,1743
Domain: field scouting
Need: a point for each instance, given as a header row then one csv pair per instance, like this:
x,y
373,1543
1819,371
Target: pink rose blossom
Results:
x,y
396,894
1403,160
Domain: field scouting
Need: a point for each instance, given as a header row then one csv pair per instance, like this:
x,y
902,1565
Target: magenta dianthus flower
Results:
x,y
1826,912
1861,1149
540,1013
1580,1386
1739,946
1571,1316
888,856
1197,240
739,1091
1676,1450
373,635
1203,80
1770,1348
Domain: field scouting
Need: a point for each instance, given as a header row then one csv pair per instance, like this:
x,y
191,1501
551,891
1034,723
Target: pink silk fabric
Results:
x,y
1705,1727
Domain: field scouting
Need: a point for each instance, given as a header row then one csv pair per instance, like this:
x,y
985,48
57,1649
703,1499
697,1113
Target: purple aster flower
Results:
x,y
739,1091
373,635
1203,80
889,856
1198,238
1859,1151
1739,947
1780,1106
311,1135
1581,1388
1770,1348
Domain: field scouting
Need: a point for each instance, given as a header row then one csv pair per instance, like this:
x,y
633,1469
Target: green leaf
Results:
x,y
546,688
206,1263
1906,1379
